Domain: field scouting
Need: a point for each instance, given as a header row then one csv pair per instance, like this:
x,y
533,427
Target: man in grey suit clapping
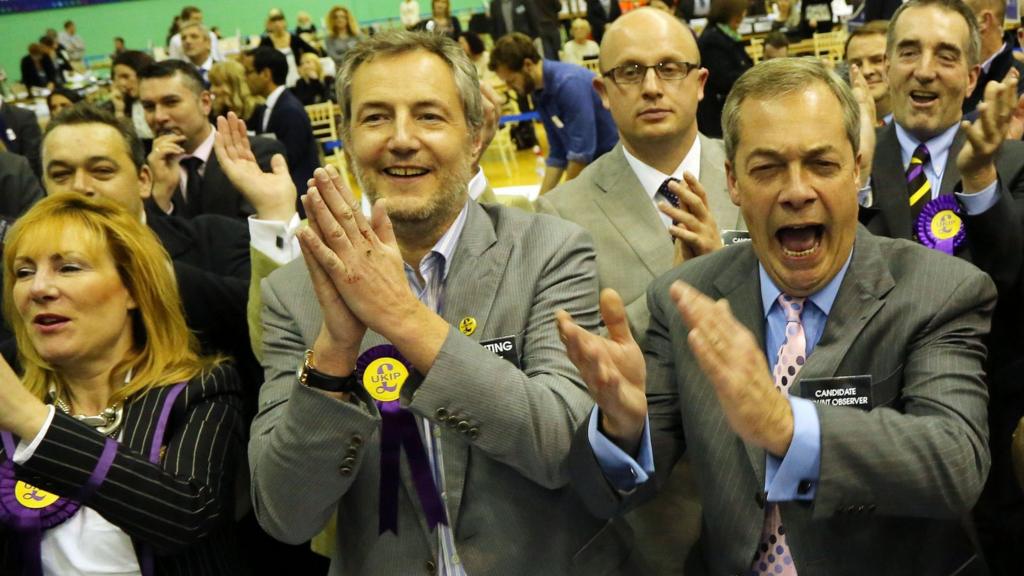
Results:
x,y
434,406
827,384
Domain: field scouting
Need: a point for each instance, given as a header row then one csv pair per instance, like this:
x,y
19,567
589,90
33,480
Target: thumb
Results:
x,y
613,312
381,223
278,165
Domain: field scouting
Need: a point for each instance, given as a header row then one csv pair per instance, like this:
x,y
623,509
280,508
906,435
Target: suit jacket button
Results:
x,y
430,567
357,440
352,452
442,413
452,422
463,426
871,507
474,433
860,509
348,461
345,471
759,498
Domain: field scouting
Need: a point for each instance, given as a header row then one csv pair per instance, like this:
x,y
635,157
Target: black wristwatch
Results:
x,y
309,376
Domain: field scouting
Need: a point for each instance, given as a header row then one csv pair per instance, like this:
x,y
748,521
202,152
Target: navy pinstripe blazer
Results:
x,y
181,509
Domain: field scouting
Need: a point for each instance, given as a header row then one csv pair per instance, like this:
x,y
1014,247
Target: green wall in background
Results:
x,y
141,21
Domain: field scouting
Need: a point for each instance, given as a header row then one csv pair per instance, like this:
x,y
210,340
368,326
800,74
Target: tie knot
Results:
x,y
921,155
191,162
669,194
792,307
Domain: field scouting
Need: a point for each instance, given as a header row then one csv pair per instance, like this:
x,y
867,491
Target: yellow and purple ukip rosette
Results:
x,y
383,371
940,225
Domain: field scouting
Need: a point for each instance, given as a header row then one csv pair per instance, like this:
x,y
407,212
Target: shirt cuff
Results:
x,y
795,477
623,471
25,451
276,239
581,158
980,202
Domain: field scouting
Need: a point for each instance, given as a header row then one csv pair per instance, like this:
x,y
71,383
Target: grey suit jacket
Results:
x,y
894,481
506,468
633,247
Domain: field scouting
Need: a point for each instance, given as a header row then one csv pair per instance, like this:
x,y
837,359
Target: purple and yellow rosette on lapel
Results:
x,y
940,225
383,371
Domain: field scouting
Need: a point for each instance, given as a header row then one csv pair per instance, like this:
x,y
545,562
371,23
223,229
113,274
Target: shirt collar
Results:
x,y
651,179
477,184
988,63
444,248
204,150
938,147
823,298
272,98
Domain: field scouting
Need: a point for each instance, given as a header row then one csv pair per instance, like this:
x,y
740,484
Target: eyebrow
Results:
x,y
812,152
430,102
89,160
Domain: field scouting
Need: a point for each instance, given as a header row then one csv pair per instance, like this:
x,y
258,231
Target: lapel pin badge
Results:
x,y
467,325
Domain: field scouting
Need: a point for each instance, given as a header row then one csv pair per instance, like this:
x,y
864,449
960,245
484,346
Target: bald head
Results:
x,y
997,7
640,30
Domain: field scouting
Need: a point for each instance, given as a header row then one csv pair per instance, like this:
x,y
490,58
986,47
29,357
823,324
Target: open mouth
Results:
x,y
49,320
923,97
405,172
800,241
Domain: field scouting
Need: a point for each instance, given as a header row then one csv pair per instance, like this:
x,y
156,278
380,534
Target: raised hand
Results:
x,y
693,227
164,162
613,369
272,193
731,358
866,103
986,134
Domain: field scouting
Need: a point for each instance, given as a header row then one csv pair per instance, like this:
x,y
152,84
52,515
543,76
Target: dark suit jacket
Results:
x,y
211,262
1001,64
290,124
523,19
19,186
218,194
181,507
726,60
598,18
996,245
895,481
24,125
30,76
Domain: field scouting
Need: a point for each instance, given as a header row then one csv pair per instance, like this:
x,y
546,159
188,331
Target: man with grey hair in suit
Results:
x,y
826,383
651,84
416,387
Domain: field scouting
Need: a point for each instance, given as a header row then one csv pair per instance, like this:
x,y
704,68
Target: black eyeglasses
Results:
x,y
635,73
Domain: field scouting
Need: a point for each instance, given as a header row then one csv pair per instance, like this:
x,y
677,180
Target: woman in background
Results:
x,y
231,91
342,33
119,445
291,45
580,47
60,99
313,86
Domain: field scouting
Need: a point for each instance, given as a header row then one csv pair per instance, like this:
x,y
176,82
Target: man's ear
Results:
x,y
730,180
602,91
145,182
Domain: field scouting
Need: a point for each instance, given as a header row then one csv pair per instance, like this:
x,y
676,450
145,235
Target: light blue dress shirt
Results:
x,y
938,149
802,462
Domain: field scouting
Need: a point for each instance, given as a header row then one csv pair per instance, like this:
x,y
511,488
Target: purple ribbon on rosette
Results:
x,y
398,431
938,214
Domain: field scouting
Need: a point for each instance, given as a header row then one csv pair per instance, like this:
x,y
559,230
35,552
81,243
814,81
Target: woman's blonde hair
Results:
x,y
240,100
312,57
332,28
163,351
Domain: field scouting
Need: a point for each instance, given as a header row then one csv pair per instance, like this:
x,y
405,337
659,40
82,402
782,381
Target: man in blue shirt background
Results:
x,y
578,127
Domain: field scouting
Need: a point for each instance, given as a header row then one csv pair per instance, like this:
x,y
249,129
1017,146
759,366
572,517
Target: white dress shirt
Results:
x,y
651,178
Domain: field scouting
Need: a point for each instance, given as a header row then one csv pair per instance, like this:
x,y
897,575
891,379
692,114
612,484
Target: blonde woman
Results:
x,y
580,47
313,87
231,91
342,33
120,444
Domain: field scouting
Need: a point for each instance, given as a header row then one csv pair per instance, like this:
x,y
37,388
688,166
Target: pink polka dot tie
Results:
x,y
772,557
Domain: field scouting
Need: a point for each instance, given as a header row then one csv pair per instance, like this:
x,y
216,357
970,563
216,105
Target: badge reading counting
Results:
x,y
383,378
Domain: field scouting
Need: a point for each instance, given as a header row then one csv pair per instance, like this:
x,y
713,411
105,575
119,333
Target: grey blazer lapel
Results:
x,y
740,285
473,282
861,296
712,178
629,209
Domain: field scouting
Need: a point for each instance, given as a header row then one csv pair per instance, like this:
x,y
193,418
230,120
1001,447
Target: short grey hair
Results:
x,y
395,42
782,77
955,6
203,30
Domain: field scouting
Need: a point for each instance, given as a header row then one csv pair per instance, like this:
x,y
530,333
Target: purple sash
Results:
x,y
29,523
